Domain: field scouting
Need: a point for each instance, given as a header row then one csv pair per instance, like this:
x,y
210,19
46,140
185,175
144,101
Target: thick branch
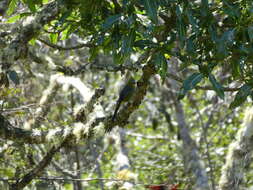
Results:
x,y
44,104
193,162
18,47
7,131
141,90
37,171
87,129
239,156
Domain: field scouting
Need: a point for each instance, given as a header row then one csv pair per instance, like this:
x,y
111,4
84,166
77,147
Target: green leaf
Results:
x,y
116,38
128,42
181,27
13,19
228,36
190,46
213,32
145,43
244,49
241,96
178,12
12,6
192,20
14,77
250,33
231,9
64,16
222,51
190,83
163,70
65,33
237,66
204,10
118,58
110,21
73,28
216,86
151,8
161,64
204,3
54,38
93,53
31,5
182,34
32,41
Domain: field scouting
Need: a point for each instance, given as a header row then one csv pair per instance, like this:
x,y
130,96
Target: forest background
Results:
x,y
187,125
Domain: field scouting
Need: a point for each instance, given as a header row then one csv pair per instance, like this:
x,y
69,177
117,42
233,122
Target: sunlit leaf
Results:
x,y
54,38
65,33
12,6
32,41
13,19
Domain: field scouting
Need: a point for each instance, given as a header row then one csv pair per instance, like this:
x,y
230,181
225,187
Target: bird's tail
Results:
x,y
116,111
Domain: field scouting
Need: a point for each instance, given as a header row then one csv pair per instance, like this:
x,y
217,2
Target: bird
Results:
x,y
125,94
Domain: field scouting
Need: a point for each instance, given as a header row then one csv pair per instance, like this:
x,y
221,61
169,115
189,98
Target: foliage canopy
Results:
x,y
202,45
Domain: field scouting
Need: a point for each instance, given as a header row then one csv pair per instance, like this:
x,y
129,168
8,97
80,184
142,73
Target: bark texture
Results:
x,y
239,155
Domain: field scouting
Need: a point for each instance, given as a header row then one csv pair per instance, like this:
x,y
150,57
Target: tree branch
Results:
x,y
37,171
130,107
239,156
18,47
7,131
178,79
193,162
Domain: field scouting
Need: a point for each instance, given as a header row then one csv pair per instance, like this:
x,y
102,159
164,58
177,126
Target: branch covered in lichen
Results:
x,y
44,104
37,170
7,131
26,31
239,155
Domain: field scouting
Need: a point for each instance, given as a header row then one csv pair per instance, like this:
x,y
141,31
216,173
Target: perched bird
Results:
x,y
125,94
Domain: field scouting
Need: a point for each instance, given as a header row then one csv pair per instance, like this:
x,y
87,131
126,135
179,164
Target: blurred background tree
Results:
x,y
64,63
